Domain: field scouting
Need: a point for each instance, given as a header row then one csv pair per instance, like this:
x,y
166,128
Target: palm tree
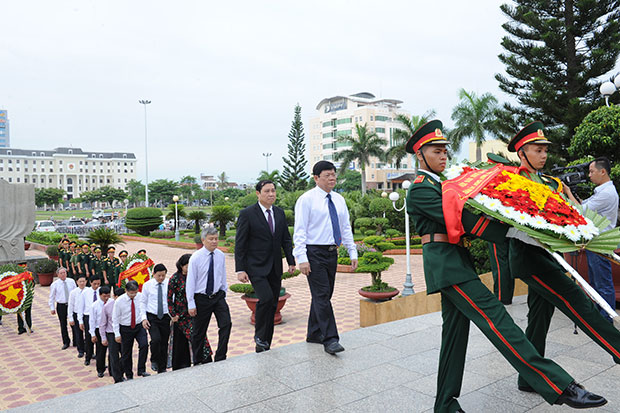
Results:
x,y
222,215
222,181
397,152
474,117
197,216
363,146
271,176
104,237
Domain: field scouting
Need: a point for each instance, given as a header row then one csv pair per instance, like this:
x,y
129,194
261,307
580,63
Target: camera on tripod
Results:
x,y
572,175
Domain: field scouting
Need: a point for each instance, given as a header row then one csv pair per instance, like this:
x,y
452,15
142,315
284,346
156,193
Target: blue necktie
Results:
x,y
333,215
210,277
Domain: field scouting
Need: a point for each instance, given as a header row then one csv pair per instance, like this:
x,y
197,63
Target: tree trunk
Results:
x,y
363,179
222,231
478,152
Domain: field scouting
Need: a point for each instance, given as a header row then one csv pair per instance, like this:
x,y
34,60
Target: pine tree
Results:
x,y
294,175
554,53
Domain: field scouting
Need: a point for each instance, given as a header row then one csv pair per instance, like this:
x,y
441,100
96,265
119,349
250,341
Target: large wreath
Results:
x,y
137,267
16,289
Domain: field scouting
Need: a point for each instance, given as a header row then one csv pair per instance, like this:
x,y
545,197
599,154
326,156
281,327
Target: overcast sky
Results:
x,y
224,77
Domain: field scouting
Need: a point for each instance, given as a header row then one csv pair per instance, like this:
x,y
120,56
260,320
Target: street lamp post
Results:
x,y
146,154
176,217
394,197
609,88
126,202
267,155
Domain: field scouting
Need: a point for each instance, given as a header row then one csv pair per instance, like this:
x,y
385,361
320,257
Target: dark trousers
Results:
x,y
321,321
101,353
205,307
128,335
503,281
267,289
78,334
88,339
471,300
181,356
114,350
555,289
160,333
20,323
61,311
599,274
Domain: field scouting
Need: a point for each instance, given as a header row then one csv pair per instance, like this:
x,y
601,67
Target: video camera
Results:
x,y
572,175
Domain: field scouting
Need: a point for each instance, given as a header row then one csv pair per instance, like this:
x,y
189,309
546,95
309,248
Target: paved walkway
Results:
x,y
390,367
33,368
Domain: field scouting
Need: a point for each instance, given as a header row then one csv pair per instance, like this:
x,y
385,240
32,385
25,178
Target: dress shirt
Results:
x,y
313,225
149,297
85,303
57,291
604,202
197,274
121,314
95,317
74,300
273,218
431,174
105,322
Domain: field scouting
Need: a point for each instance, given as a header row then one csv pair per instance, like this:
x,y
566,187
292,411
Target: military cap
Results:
x,y
93,244
85,244
97,249
495,158
73,243
532,133
111,249
428,134
123,252
142,252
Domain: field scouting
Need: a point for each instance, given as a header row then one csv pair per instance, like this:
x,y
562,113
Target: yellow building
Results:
x,y
496,146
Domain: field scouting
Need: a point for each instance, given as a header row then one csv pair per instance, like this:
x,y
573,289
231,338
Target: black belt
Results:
x,y
332,247
212,296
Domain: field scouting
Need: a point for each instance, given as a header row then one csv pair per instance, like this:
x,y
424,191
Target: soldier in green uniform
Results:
x,y
449,270
98,266
549,287
63,254
123,256
503,281
83,261
113,266
74,253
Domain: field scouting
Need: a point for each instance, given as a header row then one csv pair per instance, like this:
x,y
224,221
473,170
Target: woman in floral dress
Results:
x,y
177,307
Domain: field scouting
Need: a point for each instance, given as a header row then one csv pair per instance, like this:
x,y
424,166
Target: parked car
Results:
x,y
45,226
98,213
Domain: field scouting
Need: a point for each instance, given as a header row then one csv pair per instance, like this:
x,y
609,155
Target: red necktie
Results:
x,y
133,314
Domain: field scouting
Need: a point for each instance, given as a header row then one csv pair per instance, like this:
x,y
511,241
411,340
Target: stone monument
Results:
x,y
16,219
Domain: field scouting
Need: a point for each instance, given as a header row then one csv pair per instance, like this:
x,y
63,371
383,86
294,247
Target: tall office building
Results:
x,y
338,115
5,140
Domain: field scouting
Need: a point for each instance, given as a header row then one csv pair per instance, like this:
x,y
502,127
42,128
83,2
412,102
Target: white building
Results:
x,y
338,115
70,169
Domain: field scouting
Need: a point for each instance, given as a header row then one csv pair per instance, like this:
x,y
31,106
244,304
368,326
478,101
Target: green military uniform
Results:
x,y
64,256
84,259
549,286
98,266
503,281
113,269
449,269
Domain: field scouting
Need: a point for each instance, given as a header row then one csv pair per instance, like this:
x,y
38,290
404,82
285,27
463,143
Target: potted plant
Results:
x,y
26,245
251,300
52,252
375,263
45,270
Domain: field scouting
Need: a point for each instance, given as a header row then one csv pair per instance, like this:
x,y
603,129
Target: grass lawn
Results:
x,y
88,213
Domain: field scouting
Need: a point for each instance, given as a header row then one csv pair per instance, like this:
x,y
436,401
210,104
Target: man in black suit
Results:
x,y
262,233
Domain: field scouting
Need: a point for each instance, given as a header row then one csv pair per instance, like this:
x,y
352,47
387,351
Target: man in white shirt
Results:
x,y
127,326
321,225
604,201
95,332
75,296
155,316
60,291
206,295
89,296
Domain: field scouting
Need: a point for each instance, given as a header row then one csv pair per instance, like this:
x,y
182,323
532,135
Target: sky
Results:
x,y
224,77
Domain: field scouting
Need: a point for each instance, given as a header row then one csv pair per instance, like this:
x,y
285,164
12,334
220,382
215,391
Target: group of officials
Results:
x,y
322,223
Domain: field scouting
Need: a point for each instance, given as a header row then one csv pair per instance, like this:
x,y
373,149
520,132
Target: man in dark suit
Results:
x,y
262,233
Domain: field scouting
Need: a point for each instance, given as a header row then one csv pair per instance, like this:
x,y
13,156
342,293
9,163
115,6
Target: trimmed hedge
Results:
x,y
373,239
48,238
344,260
384,246
143,220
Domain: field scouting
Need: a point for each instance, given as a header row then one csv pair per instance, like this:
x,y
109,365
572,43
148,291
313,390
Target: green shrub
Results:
x,y
384,246
143,220
197,239
52,251
104,237
375,263
380,223
416,241
344,260
370,232
162,234
479,251
230,240
363,222
48,238
45,266
242,288
342,251
290,217
373,239
392,233
286,275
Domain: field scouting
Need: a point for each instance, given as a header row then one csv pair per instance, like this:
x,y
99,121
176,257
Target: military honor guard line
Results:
x,y
106,319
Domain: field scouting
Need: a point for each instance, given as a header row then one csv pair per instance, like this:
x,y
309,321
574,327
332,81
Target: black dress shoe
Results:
x,y
80,355
21,331
315,340
65,346
526,388
153,366
261,345
460,411
334,348
86,362
577,397
144,374
100,375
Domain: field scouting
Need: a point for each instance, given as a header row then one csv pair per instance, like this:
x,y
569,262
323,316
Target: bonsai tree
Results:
x,y
45,267
52,251
375,263
197,216
248,290
143,220
104,237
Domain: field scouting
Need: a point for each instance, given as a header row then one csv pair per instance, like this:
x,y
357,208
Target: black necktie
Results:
x,y
210,276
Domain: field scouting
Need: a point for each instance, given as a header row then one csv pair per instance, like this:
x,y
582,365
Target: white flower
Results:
x,y
556,228
508,212
539,222
523,218
572,233
454,171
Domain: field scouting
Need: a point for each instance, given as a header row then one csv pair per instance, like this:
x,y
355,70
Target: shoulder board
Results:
x,y
558,181
419,179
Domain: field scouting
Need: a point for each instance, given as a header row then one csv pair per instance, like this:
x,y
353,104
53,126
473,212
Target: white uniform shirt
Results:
x,y
57,291
604,202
